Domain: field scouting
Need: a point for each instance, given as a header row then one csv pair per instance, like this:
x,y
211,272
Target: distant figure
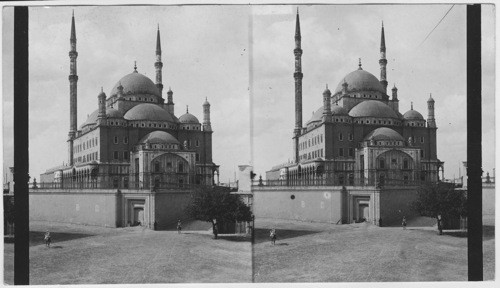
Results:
x,y
272,235
404,223
47,238
216,230
179,226
155,225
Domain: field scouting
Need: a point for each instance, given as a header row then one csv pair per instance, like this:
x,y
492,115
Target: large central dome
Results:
x,y
373,108
360,80
136,83
149,112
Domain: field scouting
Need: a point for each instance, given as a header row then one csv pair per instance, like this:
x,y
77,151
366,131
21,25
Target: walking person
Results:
x,y
179,226
404,223
272,235
47,238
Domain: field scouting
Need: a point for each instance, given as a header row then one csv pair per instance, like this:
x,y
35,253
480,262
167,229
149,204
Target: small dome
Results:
x,y
413,115
430,98
338,110
317,115
360,80
110,113
136,83
384,133
159,137
150,112
206,102
188,119
372,108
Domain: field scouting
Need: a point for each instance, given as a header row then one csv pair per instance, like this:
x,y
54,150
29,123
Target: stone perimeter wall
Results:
x,y
315,204
78,207
108,208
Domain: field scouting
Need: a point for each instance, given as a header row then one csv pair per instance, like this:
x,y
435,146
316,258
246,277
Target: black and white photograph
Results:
x,y
158,143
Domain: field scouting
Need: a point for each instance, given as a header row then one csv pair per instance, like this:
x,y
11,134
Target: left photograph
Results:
x,y
138,135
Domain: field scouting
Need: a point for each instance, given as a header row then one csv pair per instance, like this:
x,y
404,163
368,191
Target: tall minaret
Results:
x,y
298,87
101,115
383,61
158,63
327,98
431,122
206,116
73,79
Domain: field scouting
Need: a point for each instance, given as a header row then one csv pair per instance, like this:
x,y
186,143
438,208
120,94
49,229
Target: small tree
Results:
x,y
438,200
217,205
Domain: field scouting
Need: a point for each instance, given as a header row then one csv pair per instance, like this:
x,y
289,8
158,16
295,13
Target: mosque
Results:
x,y
134,139
132,147
357,140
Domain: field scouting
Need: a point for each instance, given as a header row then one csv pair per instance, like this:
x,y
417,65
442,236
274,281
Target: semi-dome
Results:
x,y
110,113
360,80
188,119
159,137
149,112
413,115
317,115
373,108
384,134
136,83
338,110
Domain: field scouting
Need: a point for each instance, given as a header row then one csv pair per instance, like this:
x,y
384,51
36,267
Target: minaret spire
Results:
x,y
297,75
73,80
158,63
431,121
383,60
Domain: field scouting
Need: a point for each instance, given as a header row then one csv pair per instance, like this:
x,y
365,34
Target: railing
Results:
x,y
333,182
114,185
378,178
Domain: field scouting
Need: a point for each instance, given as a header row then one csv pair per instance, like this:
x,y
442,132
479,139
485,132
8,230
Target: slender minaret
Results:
x,y
73,79
101,115
298,87
383,61
158,63
431,122
170,101
206,116
327,111
395,101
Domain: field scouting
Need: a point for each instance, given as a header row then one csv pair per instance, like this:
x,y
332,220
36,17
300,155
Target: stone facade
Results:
x,y
100,150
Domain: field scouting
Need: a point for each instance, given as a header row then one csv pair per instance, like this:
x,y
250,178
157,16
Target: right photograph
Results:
x,y
359,124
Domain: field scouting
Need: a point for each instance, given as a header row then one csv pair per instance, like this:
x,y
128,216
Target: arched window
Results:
x,y
382,163
181,168
157,166
405,163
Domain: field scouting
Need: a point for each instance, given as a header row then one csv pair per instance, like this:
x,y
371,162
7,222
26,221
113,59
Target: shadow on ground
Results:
x,y
488,233
262,235
235,238
37,237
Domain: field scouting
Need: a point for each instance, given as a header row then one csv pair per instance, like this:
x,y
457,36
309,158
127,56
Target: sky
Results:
x,y
207,51
334,37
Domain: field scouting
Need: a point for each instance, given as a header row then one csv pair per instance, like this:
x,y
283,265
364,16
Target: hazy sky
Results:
x,y
334,37
206,54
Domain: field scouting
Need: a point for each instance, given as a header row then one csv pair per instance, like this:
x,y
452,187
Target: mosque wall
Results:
x,y
87,207
396,199
169,207
314,204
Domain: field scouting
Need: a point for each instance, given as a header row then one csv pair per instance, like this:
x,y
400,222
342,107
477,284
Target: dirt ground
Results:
x,y
97,255
318,252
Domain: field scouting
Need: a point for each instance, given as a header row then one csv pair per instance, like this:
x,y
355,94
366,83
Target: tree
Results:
x,y
217,205
440,200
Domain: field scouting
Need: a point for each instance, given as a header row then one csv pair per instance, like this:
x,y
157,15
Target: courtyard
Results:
x,y
362,252
97,255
